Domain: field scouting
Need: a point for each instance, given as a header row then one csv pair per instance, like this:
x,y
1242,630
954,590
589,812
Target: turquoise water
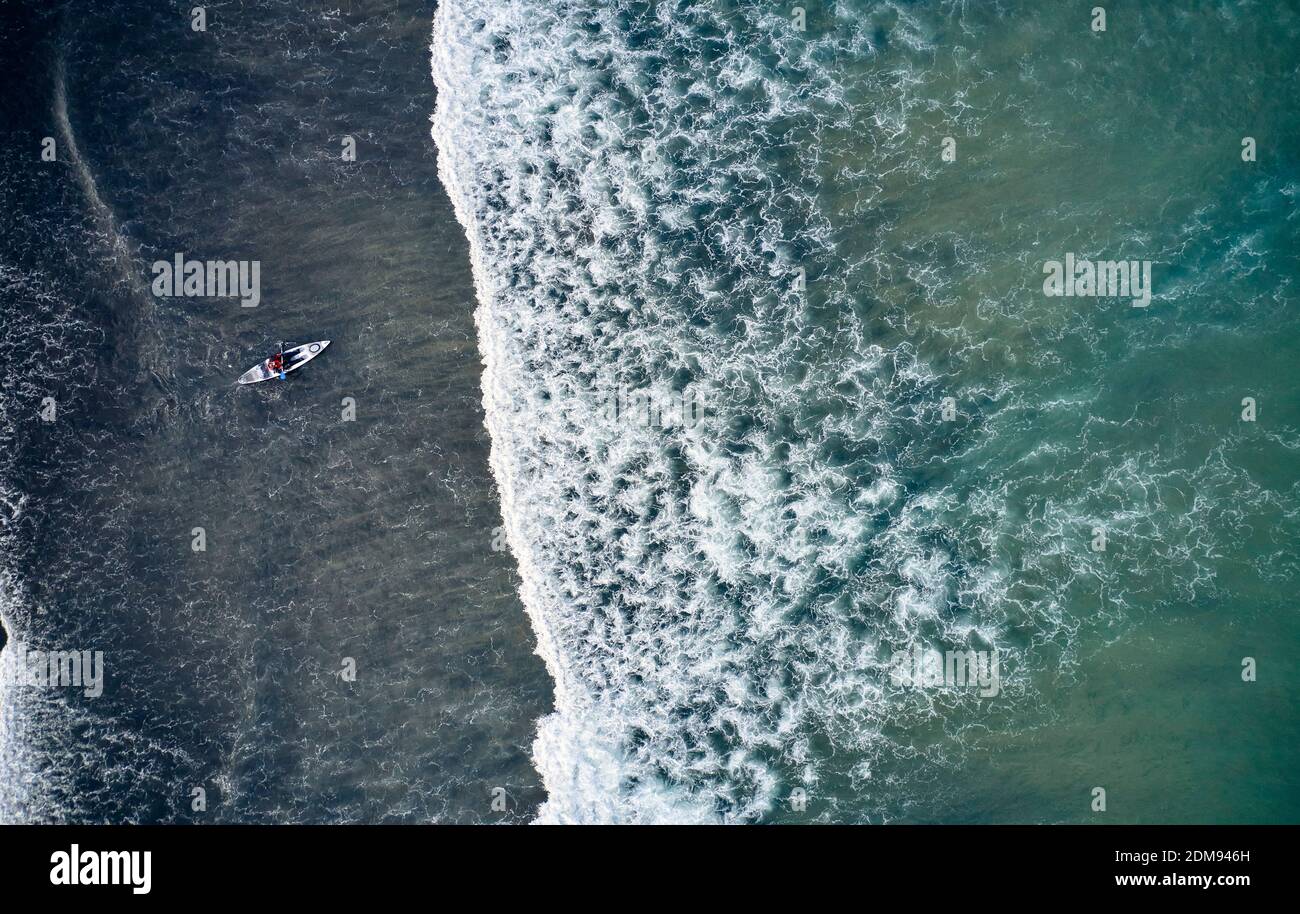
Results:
x,y
718,603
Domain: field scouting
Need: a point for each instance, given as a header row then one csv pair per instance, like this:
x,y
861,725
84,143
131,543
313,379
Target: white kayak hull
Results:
x,y
294,358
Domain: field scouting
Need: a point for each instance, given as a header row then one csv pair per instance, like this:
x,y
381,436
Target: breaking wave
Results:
x,y
716,602
700,201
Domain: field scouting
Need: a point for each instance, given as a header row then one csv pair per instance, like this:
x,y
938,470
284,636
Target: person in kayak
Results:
x,y
278,364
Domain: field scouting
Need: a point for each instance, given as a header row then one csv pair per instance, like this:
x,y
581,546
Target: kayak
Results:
x,y
294,358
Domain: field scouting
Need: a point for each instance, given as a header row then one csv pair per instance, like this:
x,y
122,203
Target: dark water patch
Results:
x,y
326,542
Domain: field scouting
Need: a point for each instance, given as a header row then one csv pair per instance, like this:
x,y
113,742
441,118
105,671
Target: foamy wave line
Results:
x,y
16,763
581,769
716,604
154,356
582,748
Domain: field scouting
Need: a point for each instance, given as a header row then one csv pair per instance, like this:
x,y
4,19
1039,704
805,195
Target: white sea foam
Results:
x,y
36,320
718,602
711,601
12,792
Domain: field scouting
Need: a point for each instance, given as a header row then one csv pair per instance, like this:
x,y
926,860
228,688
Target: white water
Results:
x,y
711,602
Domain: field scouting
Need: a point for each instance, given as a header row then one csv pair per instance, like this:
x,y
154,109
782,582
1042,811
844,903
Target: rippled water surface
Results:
x,y
647,188
326,539
889,438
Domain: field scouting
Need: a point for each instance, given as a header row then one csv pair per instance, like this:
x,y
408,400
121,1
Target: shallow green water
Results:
x,y
641,186
1084,412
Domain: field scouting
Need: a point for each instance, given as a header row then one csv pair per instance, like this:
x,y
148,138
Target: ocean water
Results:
x,y
870,430
325,539
901,442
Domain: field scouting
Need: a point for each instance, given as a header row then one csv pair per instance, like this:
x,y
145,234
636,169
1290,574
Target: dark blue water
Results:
x,y
325,539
